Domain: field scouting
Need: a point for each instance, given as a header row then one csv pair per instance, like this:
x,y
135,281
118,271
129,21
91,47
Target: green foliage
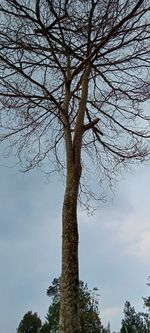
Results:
x,y
147,299
52,319
30,323
133,322
136,322
89,314
146,315
88,310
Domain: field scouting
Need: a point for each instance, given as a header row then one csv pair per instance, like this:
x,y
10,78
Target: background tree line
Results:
x,y
90,322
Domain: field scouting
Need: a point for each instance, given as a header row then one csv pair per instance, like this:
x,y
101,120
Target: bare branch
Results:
x,y
46,51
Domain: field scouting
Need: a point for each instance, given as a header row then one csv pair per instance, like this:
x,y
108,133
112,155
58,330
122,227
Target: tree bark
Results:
x,y
69,311
69,305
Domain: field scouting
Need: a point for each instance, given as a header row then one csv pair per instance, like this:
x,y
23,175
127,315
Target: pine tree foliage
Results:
x,y
30,323
88,309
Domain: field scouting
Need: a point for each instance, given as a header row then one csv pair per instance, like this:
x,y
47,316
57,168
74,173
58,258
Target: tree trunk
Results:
x,y
69,307
69,301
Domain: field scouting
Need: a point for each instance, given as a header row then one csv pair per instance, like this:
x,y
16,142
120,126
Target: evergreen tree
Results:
x,y
147,299
133,322
30,323
146,315
88,310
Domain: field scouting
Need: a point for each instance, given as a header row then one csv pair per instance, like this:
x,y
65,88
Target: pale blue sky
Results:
x,y
114,245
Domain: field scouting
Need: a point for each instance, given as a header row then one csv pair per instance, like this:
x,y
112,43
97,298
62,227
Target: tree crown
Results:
x,y
75,72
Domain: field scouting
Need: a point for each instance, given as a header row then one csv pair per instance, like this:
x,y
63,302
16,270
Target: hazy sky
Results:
x,y
114,245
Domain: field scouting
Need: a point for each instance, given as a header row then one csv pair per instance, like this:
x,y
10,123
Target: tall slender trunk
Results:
x,y
69,305
69,312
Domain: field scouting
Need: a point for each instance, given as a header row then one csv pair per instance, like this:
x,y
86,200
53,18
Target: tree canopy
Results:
x,y
133,322
147,299
47,49
88,310
30,323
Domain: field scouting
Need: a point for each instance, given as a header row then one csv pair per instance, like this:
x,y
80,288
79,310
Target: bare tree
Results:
x,y
74,77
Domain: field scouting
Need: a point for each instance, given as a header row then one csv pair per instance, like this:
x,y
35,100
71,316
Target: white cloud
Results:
x,y
134,235
127,230
110,314
141,247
